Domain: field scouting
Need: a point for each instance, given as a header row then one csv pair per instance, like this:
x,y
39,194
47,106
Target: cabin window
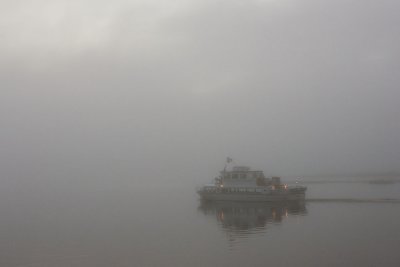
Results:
x,y
234,175
242,176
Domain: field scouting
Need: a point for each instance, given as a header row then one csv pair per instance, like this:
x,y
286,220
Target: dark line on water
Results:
x,y
355,200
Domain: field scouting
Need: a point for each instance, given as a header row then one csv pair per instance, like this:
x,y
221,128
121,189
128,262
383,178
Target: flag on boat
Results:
x,y
228,160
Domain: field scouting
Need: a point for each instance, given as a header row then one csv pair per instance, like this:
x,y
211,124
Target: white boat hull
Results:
x,y
267,197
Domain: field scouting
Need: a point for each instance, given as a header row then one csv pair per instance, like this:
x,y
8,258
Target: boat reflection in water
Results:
x,y
240,219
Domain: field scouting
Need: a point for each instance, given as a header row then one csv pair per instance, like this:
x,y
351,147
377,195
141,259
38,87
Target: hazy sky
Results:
x,y
102,89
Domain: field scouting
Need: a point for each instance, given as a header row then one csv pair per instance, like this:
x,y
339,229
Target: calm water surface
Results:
x,y
129,226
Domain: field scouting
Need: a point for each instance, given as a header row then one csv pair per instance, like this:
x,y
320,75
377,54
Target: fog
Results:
x,y
94,93
113,113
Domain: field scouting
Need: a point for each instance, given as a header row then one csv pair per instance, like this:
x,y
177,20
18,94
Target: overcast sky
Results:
x,y
153,88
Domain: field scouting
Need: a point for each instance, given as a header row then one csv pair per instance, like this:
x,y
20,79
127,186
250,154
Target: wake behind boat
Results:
x,y
243,184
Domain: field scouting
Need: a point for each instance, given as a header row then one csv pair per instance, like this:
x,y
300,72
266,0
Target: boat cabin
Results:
x,y
242,176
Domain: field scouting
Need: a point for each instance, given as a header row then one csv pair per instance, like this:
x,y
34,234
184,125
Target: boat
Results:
x,y
240,183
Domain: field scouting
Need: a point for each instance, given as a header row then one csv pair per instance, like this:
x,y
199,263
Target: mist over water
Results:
x,y
113,113
131,226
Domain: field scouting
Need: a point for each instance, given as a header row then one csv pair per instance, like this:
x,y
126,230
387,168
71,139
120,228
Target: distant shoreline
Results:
x,y
322,180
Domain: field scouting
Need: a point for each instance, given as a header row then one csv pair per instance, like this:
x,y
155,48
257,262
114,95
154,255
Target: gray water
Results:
x,y
162,225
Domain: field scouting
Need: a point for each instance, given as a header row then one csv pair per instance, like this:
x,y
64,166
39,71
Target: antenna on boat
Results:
x,y
228,160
